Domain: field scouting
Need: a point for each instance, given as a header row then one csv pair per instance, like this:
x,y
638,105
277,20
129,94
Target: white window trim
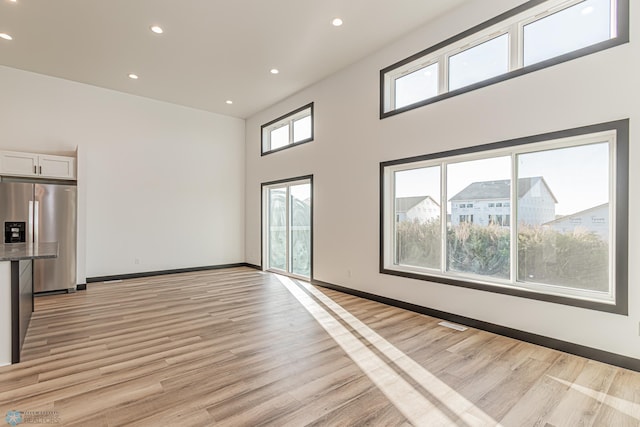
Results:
x,y
513,25
389,225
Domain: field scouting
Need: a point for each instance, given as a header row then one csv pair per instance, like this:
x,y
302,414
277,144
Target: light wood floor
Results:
x,y
240,347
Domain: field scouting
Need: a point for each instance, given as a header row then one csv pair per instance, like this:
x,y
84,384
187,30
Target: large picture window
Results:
x,y
534,35
543,217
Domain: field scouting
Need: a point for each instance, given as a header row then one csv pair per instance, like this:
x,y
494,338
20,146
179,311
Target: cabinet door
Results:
x,y
56,166
20,164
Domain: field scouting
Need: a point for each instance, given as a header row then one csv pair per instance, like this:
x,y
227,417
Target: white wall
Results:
x,y
157,182
351,141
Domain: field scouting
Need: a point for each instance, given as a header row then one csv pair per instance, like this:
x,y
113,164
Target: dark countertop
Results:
x,y
21,251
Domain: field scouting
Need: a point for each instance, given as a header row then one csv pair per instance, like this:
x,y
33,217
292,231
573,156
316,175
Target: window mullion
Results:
x,y
443,216
614,18
515,46
444,74
290,131
443,71
390,83
612,215
393,224
513,223
288,230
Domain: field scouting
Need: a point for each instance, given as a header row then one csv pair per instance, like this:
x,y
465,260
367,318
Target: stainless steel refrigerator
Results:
x,y
35,212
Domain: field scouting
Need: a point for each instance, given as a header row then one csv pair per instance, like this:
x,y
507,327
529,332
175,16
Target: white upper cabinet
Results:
x,y
37,165
56,166
24,164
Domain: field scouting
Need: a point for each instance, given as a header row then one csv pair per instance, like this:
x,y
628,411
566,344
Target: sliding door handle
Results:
x,y
36,221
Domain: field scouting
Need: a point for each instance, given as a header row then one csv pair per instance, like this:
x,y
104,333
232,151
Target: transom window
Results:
x,y
532,36
291,129
548,217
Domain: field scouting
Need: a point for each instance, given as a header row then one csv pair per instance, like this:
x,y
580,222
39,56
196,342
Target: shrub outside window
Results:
x,y
532,36
542,217
291,129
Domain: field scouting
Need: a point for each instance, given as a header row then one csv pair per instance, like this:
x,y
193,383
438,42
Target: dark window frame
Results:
x,y
283,118
622,37
621,262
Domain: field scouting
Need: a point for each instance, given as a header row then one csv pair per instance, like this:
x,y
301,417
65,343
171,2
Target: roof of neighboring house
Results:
x,y
566,217
404,204
501,189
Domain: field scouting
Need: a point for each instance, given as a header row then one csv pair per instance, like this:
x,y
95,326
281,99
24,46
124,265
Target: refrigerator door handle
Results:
x,y
30,225
36,220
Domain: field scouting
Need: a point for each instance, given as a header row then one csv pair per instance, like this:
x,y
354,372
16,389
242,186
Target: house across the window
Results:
x,y
593,220
420,208
490,198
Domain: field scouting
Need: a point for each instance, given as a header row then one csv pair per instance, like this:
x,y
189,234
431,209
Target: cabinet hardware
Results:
x,y
40,170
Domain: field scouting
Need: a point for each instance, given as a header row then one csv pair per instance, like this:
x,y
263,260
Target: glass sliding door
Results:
x,y
300,229
278,228
287,222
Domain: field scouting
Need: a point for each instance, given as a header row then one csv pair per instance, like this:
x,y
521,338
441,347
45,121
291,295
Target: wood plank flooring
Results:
x,y
239,347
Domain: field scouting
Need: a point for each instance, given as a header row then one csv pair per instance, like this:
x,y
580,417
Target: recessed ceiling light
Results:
x,y
133,76
13,1
5,36
156,29
274,71
336,22
229,101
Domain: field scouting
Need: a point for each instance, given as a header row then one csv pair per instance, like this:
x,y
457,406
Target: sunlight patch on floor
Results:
x,y
442,406
631,409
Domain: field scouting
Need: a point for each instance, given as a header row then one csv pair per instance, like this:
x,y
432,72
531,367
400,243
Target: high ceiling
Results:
x,y
211,51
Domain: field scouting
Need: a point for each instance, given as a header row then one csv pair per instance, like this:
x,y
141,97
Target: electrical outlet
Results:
x,y
137,261
348,273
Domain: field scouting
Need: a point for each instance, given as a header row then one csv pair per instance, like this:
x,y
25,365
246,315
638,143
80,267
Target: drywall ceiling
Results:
x,y
211,51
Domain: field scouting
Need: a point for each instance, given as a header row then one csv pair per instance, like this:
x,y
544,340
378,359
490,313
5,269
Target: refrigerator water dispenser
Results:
x,y
14,232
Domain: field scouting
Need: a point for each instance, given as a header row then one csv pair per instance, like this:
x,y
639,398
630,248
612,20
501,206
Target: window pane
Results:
x,y
478,242
280,137
579,26
417,217
479,63
417,86
302,129
301,229
563,217
277,228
